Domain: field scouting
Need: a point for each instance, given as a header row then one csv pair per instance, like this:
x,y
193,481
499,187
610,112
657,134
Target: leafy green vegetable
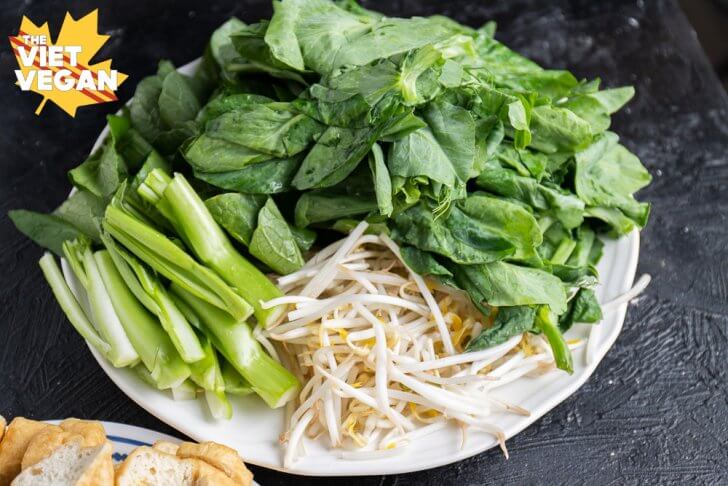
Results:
x,y
494,175
510,321
505,284
237,213
273,243
46,230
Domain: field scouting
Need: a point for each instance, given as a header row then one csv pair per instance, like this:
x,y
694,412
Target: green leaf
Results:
x,y
83,210
478,229
269,177
566,207
46,230
382,182
336,154
423,263
510,321
321,206
237,213
584,308
607,175
273,243
505,284
271,129
177,101
101,173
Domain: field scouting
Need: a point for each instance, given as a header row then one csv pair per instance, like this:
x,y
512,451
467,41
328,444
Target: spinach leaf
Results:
x,y
505,284
423,263
566,207
101,173
46,230
271,128
268,177
509,322
382,182
83,210
607,175
321,206
273,243
334,156
237,213
478,229
583,308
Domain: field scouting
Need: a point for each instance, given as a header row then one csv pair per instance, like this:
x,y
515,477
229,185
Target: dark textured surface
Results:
x,y
655,411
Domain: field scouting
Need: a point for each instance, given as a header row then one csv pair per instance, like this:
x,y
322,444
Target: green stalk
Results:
x,y
164,256
69,304
235,384
563,251
149,339
103,314
547,322
206,372
178,201
220,407
184,391
148,289
235,341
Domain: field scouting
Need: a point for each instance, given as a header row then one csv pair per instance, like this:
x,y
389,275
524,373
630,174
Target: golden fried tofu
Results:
x,y
45,442
166,446
12,448
219,456
3,423
92,431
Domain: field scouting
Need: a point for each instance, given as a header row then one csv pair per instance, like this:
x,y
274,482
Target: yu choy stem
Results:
x,y
235,341
183,207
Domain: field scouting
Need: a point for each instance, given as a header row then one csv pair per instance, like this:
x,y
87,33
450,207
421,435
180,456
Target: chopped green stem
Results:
x,y
206,372
149,339
187,212
563,251
184,391
546,321
235,341
235,384
104,315
153,295
164,256
69,304
219,405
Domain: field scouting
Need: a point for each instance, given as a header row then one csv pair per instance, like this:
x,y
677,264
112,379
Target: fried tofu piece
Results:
x,y
45,442
151,466
12,449
92,431
166,446
222,457
71,465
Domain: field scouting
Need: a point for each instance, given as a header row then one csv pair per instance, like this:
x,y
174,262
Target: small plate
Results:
x,y
254,428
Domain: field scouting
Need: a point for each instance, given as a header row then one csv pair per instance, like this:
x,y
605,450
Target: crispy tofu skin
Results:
x,y
12,449
93,432
45,442
220,456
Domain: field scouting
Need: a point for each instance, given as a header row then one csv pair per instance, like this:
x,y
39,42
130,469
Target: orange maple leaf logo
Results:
x,y
61,71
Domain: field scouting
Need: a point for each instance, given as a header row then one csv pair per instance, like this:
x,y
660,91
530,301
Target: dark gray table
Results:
x,y
655,411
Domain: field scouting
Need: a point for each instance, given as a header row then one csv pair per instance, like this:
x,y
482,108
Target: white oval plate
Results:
x,y
254,428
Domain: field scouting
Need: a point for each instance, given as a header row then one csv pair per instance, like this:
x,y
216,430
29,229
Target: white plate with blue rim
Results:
x,y
254,429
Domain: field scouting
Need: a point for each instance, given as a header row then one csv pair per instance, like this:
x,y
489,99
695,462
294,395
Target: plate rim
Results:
x,y
607,341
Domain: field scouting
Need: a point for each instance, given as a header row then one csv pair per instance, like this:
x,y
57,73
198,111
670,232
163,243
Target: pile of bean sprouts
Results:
x,y
381,353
